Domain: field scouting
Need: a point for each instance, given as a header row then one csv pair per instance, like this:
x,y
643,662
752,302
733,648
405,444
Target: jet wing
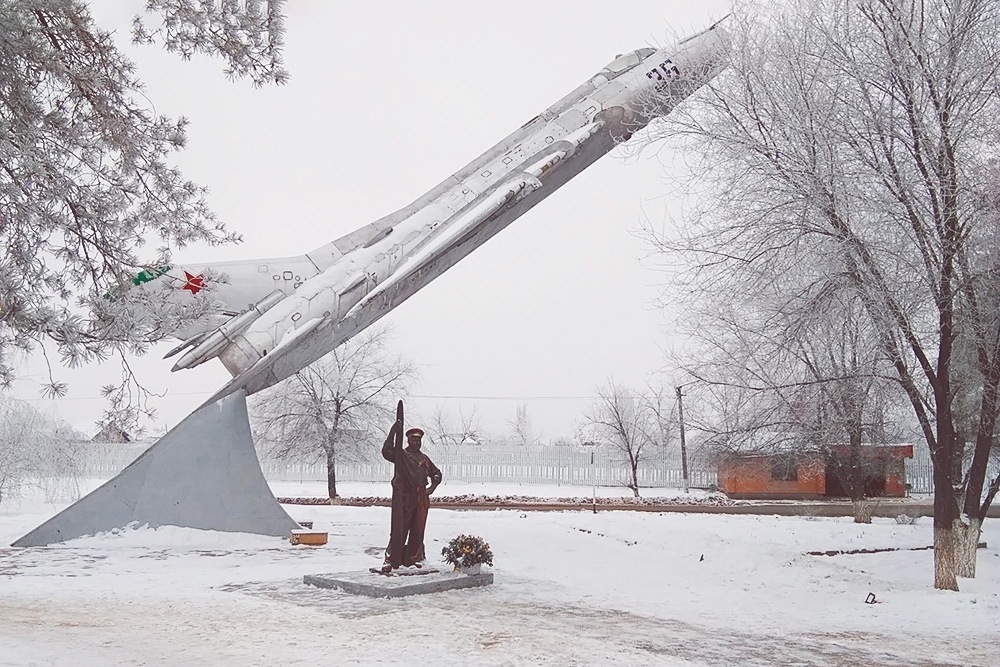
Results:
x,y
317,338
456,239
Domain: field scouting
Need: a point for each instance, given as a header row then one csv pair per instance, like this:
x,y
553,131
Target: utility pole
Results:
x,y
593,477
593,472
684,455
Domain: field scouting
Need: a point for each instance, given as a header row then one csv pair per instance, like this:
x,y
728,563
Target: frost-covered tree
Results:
x,y
624,420
521,431
18,451
803,374
853,139
661,402
337,407
86,183
34,448
445,430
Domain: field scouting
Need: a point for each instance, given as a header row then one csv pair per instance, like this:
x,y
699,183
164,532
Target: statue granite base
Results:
x,y
375,585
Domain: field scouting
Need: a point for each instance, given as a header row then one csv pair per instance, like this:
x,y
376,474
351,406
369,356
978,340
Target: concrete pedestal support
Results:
x,y
203,473
380,586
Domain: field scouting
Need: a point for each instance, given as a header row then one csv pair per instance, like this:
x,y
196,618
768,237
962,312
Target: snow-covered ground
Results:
x,y
572,588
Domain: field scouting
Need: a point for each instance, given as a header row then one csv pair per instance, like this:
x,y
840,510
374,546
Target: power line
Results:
x,y
95,398
434,396
505,398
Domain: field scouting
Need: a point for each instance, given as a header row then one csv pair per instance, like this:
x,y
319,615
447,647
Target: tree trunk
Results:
x,y
948,531
863,510
331,474
966,542
635,478
946,557
946,458
863,506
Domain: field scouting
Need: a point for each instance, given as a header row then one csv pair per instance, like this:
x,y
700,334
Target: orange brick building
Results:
x,y
808,475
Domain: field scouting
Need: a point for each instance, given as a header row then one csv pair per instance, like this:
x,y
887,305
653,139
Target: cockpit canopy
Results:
x,y
625,62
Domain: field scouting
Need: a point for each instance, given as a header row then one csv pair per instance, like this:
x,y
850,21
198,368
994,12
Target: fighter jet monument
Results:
x,y
277,316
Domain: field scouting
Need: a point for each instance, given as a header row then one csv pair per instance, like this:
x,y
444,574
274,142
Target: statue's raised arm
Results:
x,y
394,441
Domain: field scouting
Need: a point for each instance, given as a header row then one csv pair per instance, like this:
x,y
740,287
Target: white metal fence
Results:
x,y
105,460
549,465
552,465
920,475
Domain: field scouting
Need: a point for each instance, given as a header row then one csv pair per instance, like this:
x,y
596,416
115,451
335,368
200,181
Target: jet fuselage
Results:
x,y
286,313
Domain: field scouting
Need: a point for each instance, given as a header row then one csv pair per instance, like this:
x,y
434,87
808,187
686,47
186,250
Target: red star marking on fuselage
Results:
x,y
194,284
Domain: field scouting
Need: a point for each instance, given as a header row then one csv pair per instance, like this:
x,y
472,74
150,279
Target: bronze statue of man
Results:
x,y
410,494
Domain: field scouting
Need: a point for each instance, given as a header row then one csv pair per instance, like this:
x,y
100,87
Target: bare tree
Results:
x,y
521,432
85,182
34,448
338,406
443,430
845,403
622,419
850,142
661,403
18,450
813,381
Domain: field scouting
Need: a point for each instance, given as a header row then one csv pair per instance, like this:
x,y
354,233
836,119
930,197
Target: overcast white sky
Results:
x,y
385,100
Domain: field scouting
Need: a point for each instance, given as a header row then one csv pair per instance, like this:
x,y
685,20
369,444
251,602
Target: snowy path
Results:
x,y
626,588
292,627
